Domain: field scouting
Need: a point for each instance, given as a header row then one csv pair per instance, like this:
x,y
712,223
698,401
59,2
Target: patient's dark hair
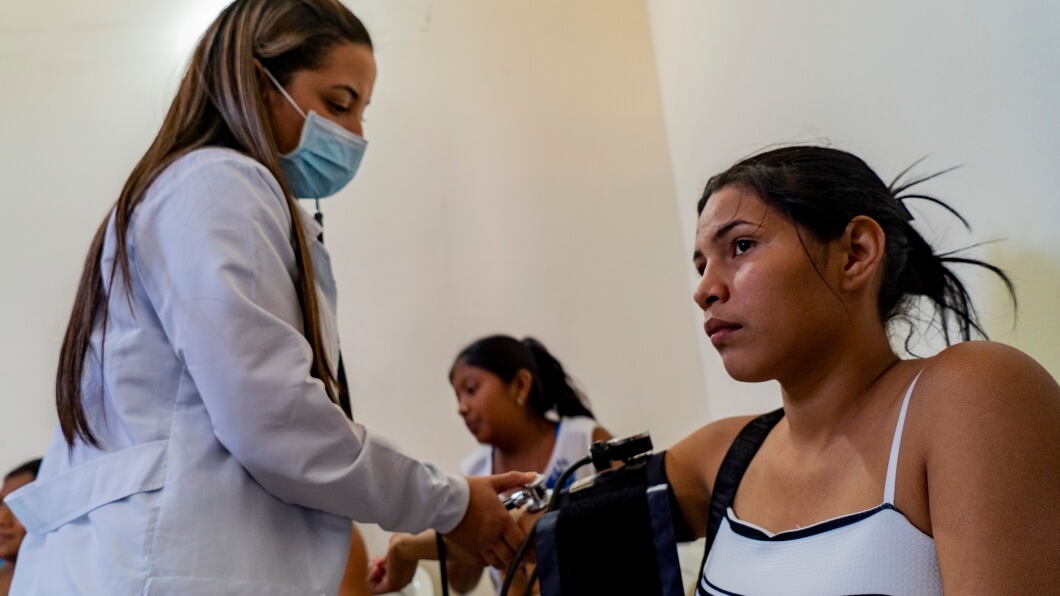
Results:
x,y
821,189
505,356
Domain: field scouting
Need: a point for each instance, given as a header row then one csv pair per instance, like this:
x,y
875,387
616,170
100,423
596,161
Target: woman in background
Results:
x,y
11,531
517,400
202,448
880,475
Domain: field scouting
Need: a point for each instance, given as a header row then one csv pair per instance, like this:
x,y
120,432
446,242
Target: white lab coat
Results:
x,y
225,468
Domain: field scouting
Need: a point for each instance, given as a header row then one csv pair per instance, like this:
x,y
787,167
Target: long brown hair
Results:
x,y
219,103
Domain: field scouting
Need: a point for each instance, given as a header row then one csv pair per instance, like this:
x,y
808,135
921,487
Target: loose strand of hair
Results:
x,y
954,306
968,312
896,188
902,174
938,202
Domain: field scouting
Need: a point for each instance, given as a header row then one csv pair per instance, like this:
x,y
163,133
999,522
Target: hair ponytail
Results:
x,y
555,389
916,270
551,388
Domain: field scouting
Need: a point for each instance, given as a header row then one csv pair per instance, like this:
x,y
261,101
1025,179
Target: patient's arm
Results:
x,y
395,570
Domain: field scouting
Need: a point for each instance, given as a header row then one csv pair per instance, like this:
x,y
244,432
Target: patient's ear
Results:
x,y
862,247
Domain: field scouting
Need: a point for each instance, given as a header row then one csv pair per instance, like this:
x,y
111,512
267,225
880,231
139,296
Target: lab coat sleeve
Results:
x,y
213,248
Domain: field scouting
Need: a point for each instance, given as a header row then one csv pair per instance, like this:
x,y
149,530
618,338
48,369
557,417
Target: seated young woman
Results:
x,y
521,406
882,474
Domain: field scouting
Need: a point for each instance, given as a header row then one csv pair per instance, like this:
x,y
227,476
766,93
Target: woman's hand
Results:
x,y
487,531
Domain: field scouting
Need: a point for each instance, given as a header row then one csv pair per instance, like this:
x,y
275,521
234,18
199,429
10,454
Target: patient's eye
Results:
x,y
742,245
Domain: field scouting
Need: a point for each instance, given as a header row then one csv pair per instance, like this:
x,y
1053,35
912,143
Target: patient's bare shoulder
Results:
x,y
692,464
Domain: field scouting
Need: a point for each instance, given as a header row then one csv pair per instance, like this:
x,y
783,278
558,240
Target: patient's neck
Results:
x,y
527,450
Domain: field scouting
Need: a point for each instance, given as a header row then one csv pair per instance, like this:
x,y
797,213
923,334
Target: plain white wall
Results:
x,y
517,180
965,82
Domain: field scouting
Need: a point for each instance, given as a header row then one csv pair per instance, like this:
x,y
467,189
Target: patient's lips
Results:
x,y
718,330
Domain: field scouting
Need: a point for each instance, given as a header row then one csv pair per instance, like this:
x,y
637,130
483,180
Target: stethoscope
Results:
x,y
344,388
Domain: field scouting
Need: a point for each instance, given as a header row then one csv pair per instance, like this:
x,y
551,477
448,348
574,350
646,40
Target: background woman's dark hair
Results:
x,y
31,467
822,189
505,356
219,103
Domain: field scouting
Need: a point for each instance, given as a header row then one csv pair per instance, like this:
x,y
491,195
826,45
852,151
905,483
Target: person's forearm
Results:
x,y
423,547
415,547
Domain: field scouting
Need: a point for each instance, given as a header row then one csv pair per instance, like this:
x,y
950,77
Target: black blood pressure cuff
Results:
x,y
613,534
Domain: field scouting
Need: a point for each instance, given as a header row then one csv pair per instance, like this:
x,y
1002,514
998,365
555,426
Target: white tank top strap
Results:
x,y
892,462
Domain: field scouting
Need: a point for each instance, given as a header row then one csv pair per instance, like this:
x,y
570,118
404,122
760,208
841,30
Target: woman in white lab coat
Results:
x,y
202,448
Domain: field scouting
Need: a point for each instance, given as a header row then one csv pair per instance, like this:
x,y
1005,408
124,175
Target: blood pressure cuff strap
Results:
x,y
615,536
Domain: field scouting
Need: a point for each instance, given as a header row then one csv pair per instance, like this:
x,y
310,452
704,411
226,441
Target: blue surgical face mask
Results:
x,y
326,158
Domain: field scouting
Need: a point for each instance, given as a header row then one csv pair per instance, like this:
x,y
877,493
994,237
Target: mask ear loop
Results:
x,y
283,91
319,215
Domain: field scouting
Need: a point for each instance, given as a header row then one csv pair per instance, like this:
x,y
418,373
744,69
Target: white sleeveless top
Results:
x,y
877,551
